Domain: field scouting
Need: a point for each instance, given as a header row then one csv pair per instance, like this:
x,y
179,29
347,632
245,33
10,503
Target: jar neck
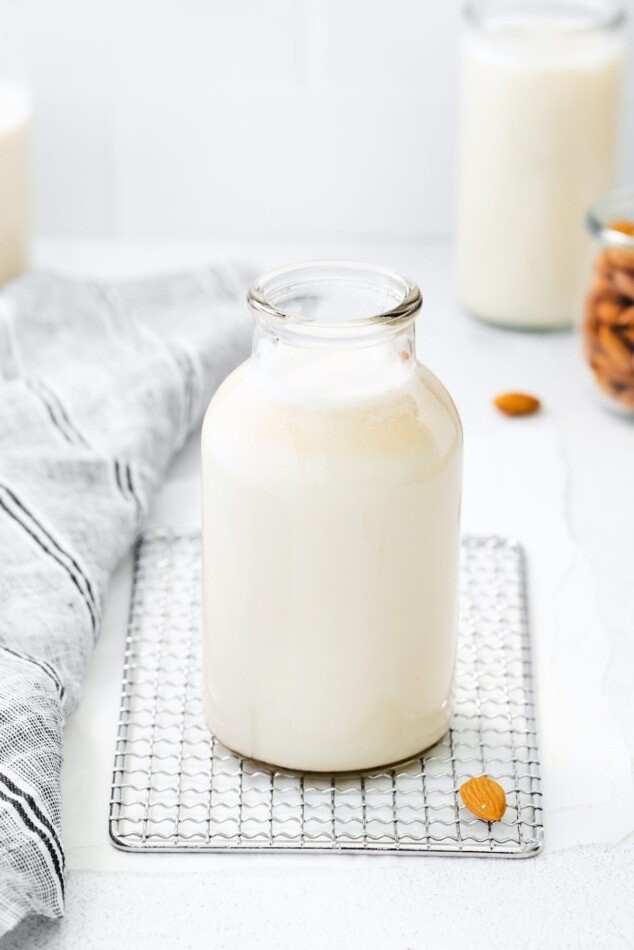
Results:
x,y
569,18
611,220
333,332
335,370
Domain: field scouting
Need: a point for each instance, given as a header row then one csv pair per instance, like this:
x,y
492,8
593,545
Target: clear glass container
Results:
x,y
332,466
15,120
541,106
607,323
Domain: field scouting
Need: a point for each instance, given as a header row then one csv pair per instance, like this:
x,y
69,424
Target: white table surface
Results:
x,y
562,482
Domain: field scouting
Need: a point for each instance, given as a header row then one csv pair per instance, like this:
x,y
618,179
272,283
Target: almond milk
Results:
x,y
541,100
331,492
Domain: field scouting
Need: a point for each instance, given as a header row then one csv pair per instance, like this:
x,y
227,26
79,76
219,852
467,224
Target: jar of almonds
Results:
x,y
608,316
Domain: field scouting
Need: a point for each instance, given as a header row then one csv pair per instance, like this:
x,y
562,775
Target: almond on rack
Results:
x,y
517,404
484,797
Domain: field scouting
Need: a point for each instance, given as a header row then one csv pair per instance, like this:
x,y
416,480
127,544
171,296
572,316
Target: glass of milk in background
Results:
x,y
540,119
332,464
15,116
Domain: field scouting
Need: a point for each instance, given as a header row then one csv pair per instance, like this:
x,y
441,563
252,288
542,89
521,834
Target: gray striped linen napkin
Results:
x,y
100,385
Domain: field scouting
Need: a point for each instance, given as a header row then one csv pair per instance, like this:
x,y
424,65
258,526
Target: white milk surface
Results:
x,y
540,118
331,542
14,180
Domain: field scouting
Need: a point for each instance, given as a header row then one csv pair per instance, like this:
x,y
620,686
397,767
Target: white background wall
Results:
x,y
212,118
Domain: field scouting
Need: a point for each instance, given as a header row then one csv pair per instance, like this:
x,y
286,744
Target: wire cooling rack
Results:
x,y
177,788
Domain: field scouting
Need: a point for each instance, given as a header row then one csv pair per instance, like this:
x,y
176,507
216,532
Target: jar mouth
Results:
x,y
614,207
330,297
563,17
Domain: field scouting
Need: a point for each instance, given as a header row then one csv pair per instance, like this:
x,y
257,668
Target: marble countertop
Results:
x,y
562,483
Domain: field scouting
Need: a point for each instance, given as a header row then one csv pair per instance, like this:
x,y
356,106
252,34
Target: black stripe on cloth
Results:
x,y
19,808
117,323
49,409
188,375
20,792
52,395
55,543
57,411
130,482
61,420
121,481
117,475
43,665
52,554
125,484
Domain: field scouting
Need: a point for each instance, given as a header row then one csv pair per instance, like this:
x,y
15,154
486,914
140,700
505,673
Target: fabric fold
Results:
x,y
101,384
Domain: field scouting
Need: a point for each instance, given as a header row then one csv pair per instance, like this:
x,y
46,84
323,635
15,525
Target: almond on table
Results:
x,y
517,404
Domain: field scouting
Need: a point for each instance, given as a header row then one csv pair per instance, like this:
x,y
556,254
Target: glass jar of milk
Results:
x,y
541,103
15,115
332,466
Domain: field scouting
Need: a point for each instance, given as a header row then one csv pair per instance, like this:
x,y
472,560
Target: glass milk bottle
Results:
x,y
332,464
15,115
541,104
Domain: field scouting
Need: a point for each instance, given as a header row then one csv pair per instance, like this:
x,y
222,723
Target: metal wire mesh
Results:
x,y
176,787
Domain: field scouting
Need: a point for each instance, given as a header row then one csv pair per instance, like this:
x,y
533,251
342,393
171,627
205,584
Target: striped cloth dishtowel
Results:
x,y
100,385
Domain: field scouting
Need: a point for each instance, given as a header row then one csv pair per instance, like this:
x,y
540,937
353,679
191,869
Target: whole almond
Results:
x,y
627,335
616,351
603,365
624,282
626,317
608,311
517,404
620,257
624,226
602,286
484,797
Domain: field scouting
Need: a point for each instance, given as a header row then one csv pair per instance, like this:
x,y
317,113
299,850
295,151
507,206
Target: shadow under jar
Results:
x,y
608,314
332,467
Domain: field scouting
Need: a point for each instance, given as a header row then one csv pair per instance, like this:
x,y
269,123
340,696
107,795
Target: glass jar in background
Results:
x,y
608,313
541,106
15,117
331,466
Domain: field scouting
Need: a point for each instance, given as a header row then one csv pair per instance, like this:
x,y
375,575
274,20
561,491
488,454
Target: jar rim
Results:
x,y
616,205
607,16
274,297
